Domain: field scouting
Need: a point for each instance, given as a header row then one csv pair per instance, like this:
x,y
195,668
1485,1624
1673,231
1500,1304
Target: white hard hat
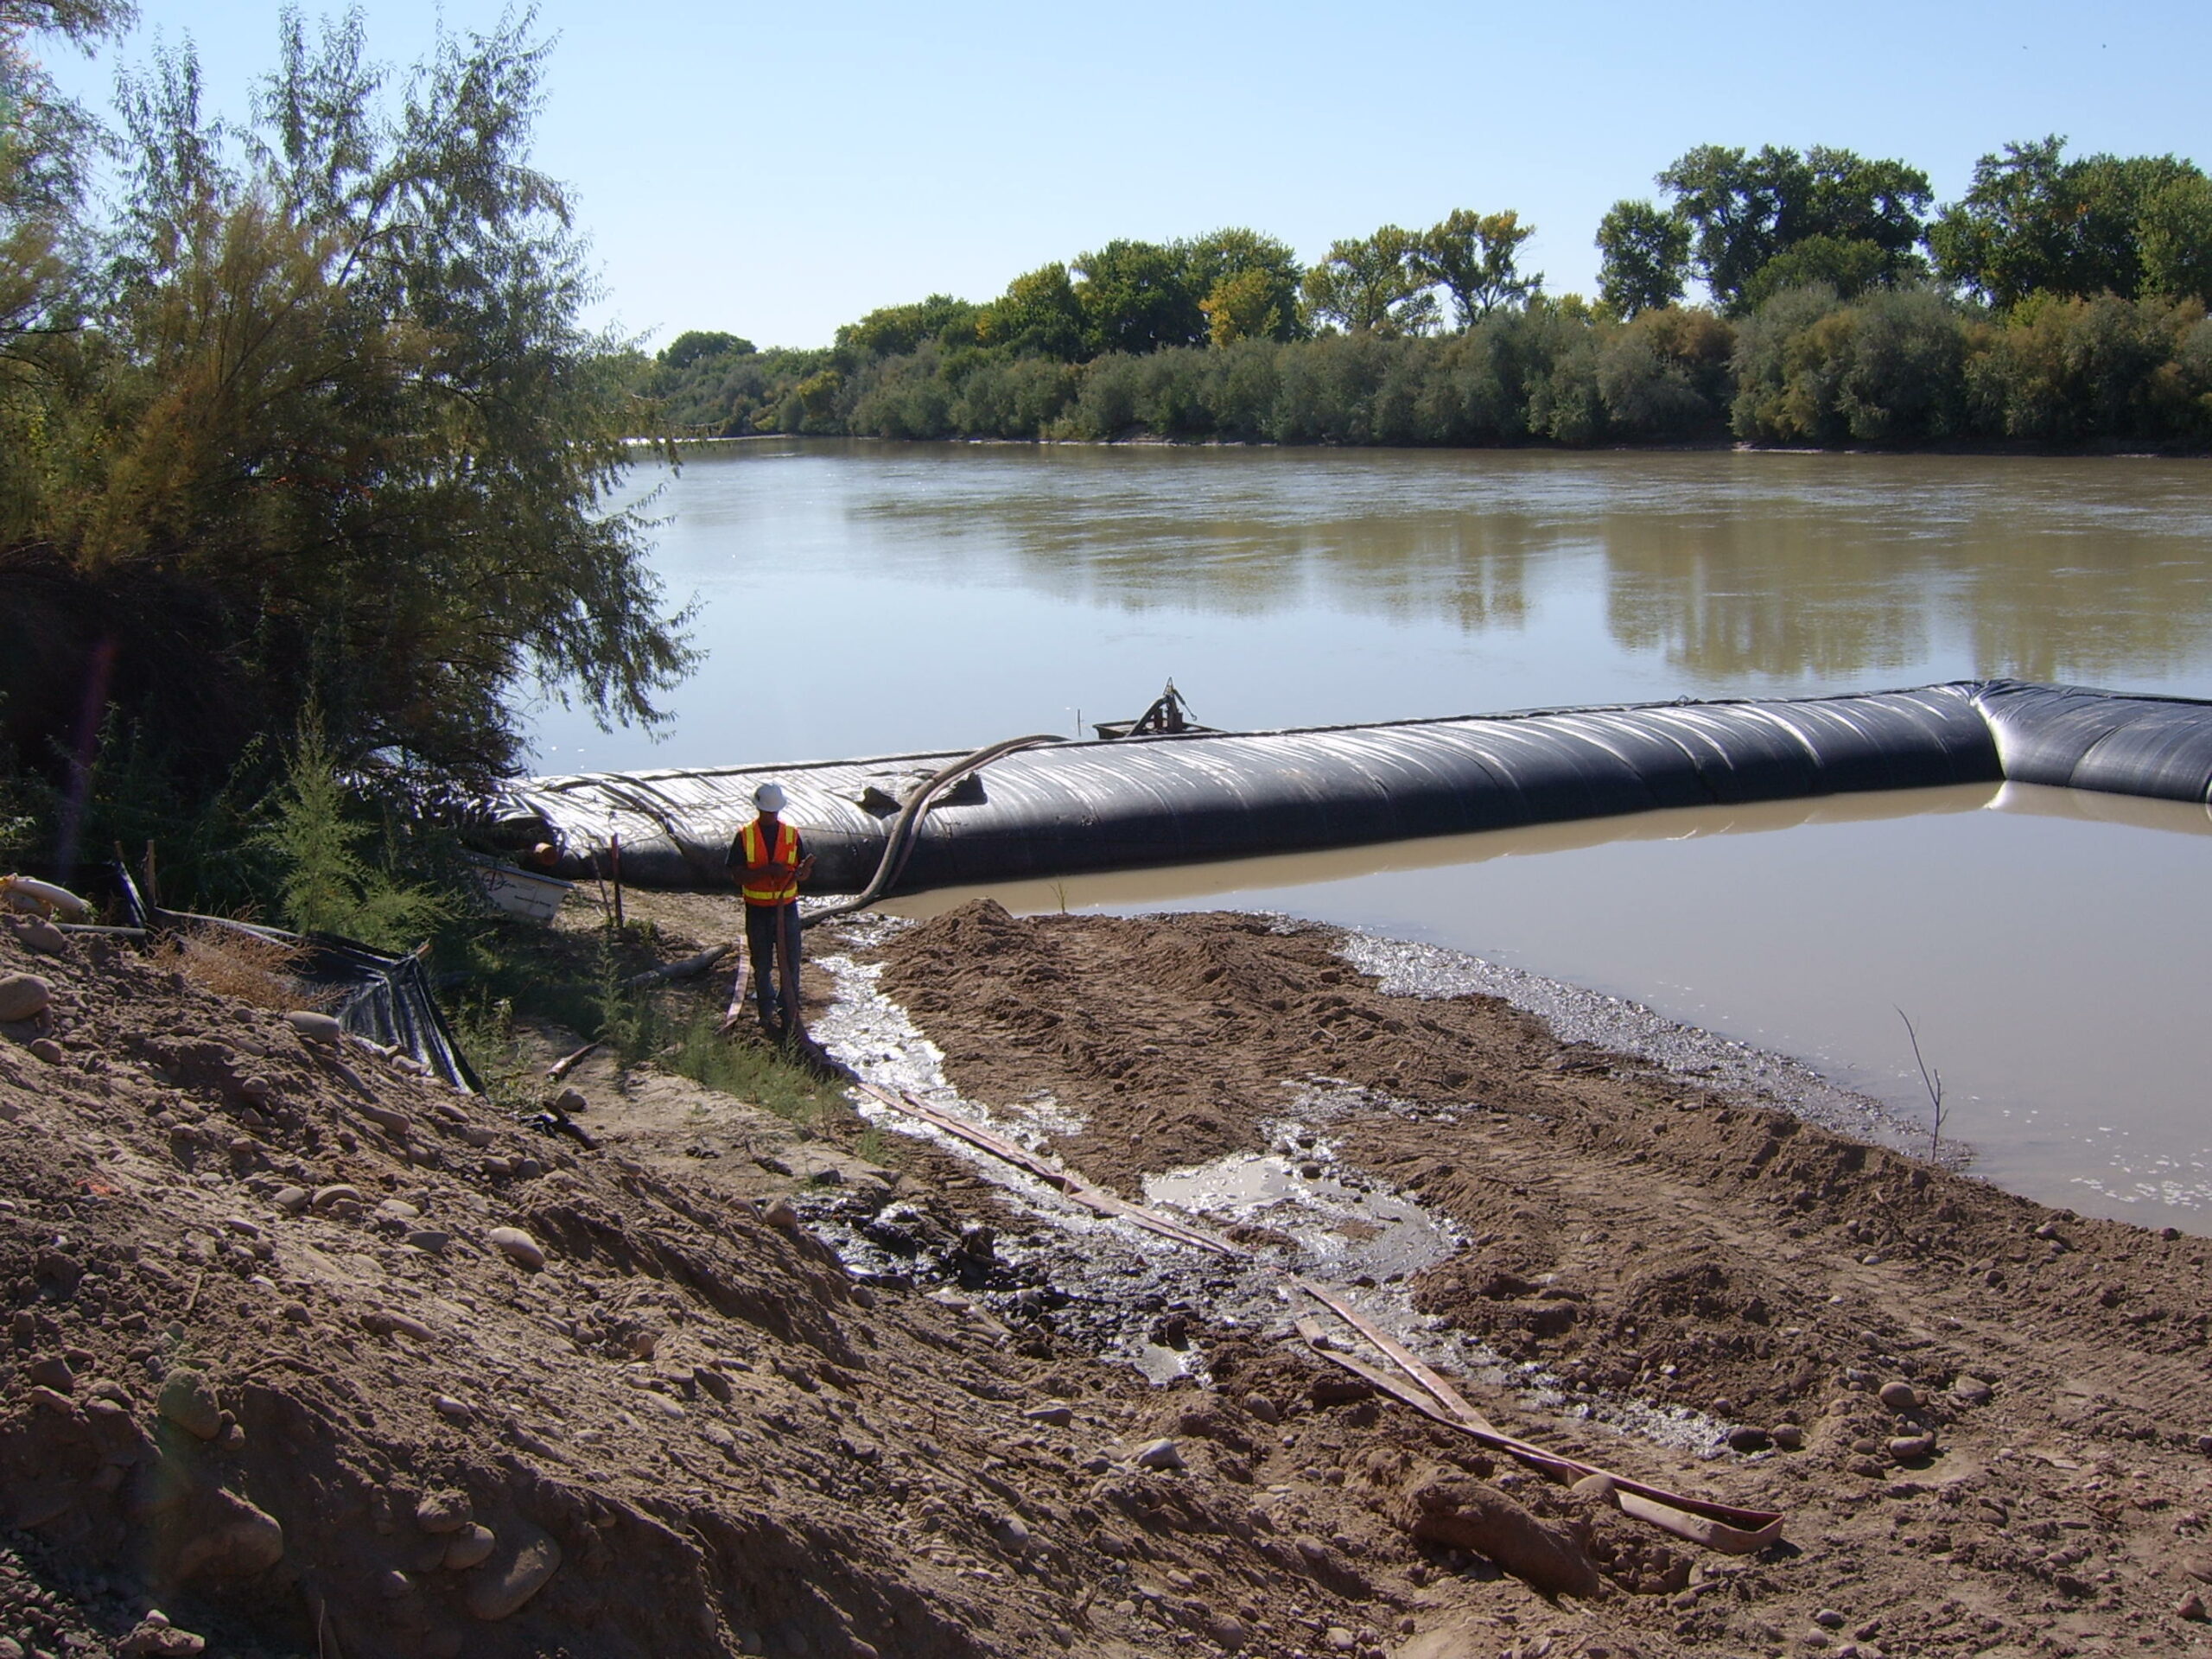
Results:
x,y
769,798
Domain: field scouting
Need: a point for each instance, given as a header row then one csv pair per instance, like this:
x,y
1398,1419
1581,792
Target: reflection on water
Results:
x,y
2051,947
863,599
860,598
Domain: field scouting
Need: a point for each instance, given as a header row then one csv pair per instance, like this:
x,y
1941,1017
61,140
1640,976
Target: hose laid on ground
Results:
x,y
898,841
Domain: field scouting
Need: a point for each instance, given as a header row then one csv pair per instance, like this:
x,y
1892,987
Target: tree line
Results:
x,y
2061,300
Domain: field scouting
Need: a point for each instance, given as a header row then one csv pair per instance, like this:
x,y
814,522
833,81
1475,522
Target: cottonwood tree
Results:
x,y
1373,285
1643,257
1474,258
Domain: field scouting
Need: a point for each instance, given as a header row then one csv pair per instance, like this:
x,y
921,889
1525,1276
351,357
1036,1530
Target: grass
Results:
x,y
750,1071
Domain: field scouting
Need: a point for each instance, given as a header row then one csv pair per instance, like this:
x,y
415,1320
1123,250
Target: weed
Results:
x,y
750,1071
229,963
1933,1082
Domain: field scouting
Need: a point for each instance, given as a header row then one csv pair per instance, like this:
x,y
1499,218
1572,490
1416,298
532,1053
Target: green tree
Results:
x,y
896,330
1744,209
339,433
1474,258
1249,284
1373,286
1137,298
698,343
1039,315
1643,257
2176,242
2033,221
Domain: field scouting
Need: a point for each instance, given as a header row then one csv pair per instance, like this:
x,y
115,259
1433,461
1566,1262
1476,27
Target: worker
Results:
x,y
768,861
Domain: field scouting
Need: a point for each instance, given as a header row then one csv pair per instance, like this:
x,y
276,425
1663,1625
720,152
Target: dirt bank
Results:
x,y
318,1356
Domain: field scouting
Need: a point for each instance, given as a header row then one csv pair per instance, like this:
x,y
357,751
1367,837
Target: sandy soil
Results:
x,y
280,1370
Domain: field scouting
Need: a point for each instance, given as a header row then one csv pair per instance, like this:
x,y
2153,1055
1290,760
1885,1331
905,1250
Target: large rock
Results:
x,y
228,1539
517,1246
22,997
511,1577
1470,1515
187,1401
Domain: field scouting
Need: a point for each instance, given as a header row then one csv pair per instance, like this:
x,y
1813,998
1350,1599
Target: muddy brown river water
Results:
x,y
2054,951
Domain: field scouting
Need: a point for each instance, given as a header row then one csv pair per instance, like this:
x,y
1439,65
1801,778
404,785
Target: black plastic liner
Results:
x,y
1078,806
2076,737
387,999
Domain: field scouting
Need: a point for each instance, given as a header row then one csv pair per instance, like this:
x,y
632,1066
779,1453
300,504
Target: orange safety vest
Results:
x,y
770,892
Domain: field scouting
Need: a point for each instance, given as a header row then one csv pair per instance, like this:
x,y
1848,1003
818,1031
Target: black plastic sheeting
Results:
x,y
1131,802
2075,737
387,999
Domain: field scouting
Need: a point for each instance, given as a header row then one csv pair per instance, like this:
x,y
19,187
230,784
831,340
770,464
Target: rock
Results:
x,y
1595,1489
1971,1391
186,1401
1013,1534
155,1637
2198,1567
384,1322
713,1381
52,1370
1261,1408
453,1410
318,1028
52,1399
1160,1454
2190,1606
22,997
1053,1416
40,938
1788,1436
517,1246
1472,1515
398,1210
1743,1438
502,1584
779,1213
290,1199
431,1241
1828,1619
336,1192
445,1511
236,1541
1908,1448
1900,1396
46,1050
471,1547
571,1102
1337,1639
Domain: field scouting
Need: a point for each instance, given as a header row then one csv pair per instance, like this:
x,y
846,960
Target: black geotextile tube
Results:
x,y
1181,799
2076,737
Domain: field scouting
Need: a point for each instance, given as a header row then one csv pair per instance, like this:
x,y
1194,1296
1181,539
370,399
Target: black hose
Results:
x,y
898,841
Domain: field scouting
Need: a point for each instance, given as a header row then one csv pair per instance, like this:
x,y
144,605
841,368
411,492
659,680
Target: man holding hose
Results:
x,y
768,862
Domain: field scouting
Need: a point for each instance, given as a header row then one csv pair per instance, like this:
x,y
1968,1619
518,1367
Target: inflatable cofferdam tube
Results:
x,y
1078,806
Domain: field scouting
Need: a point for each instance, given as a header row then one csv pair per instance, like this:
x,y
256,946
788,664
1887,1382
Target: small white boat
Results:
x,y
530,893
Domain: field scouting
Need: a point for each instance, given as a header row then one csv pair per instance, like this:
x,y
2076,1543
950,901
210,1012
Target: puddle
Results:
x,y
1124,1293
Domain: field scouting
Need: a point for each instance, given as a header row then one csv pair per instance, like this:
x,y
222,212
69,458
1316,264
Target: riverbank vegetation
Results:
x,y
2060,301
301,434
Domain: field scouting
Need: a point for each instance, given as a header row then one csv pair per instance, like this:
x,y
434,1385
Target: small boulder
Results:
x,y
22,997
1472,1515
445,1511
1790,1437
1160,1454
1971,1391
471,1547
41,936
317,1028
53,1372
779,1213
569,1102
506,1582
1055,1416
517,1246
1911,1448
290,1199
1900,1396
186,1401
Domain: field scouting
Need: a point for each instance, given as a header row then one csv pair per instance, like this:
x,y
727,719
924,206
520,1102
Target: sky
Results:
x,y
776,170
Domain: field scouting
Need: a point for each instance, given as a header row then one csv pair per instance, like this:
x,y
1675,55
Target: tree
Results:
x,y
339,435
1137,298
897,330
2177,240
1037,316
1372,286
697,345
2033,222
1643,257
1745,209
1473,258
1249,283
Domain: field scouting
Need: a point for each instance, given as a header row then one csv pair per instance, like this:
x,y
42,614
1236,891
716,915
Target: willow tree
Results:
x,y
333,433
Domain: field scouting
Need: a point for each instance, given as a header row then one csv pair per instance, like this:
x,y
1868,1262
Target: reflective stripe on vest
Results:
x,y
770,892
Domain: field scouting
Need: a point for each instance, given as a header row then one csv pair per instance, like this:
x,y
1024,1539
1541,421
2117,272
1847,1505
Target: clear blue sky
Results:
x,y
778,170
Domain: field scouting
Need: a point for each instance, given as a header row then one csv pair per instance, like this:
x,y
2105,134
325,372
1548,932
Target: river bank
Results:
x,y
312,1352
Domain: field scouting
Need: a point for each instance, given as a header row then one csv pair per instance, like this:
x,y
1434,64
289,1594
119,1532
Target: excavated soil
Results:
x,y
315,1355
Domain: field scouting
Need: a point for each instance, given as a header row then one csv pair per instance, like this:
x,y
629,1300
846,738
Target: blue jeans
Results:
x,y
772,938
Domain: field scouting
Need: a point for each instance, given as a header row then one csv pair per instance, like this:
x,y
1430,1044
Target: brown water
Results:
x,y
861,599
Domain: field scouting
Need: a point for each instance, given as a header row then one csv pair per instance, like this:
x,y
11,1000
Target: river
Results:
x,y
2052,950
